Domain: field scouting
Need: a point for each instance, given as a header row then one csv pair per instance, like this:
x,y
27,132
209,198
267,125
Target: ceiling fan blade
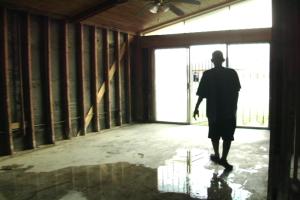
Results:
x,y
176,10
194,2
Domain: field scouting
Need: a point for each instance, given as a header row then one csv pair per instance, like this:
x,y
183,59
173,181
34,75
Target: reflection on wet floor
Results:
x,y
191,172
188,175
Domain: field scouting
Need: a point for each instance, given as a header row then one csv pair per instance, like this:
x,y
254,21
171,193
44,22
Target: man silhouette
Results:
x,y
220,86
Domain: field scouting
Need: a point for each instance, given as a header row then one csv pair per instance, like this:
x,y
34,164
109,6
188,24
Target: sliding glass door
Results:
x,y
251,61
179,71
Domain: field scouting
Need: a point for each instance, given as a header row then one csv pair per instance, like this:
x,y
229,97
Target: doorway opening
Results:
x,y
171,79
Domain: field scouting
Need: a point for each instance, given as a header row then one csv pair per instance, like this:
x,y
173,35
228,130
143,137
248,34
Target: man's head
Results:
x,y
217,58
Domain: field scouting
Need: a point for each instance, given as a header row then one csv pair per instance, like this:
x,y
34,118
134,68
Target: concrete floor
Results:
x,y
139,162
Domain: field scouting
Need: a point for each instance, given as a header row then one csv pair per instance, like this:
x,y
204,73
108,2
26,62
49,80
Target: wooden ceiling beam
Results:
x,y
101,7
213,37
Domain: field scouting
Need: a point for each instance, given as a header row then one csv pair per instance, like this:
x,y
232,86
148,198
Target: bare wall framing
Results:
x,y
59,80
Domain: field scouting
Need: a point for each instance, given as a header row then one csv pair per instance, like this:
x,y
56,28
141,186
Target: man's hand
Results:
x,y
196,114
196,111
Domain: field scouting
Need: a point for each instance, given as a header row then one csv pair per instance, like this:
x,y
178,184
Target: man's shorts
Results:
x,y
222,128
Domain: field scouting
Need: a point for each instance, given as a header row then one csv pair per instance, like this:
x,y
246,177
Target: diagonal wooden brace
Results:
x,y
101,91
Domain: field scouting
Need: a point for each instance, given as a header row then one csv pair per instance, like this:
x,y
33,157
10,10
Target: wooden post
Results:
x,y
297,123
66,82
128,79
139,84
30,133
8,147
19,50
81,79
118,80
48,82
106,77
150,85
96,123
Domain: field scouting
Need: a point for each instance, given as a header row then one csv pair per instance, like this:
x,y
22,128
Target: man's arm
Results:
x,y
196,111
201,92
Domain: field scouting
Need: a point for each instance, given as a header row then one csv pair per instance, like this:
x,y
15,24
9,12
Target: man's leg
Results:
x,y
223,160
216,156
226,148
215,144
228,126
215,138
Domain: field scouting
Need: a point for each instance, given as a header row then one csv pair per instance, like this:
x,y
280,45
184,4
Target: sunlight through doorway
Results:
x,y
178,72
171,79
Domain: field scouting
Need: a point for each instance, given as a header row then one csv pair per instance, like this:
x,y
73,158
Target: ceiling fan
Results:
x,y
158,6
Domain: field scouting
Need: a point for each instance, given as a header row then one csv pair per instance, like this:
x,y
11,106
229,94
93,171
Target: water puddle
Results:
x,y
188,175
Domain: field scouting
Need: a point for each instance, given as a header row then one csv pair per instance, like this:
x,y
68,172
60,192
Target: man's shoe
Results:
x,y
224,163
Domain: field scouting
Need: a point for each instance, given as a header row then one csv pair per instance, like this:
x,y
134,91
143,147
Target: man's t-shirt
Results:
x,y
220,86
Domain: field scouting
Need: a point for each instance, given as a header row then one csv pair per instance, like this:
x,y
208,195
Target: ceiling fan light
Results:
x,y
154,9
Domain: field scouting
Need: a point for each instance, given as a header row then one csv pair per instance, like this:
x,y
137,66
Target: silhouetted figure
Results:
x,y
220,86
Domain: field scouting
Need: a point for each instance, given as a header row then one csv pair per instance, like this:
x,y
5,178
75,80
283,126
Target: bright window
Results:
x,y
213,21
248,14
251,14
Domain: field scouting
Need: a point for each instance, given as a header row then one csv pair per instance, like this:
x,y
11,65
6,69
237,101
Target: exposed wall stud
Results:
x,y
6,131
96,123
66,83
150,86
81,79
27,62
139,84
118,80
48,82
128,79
21,78
106,78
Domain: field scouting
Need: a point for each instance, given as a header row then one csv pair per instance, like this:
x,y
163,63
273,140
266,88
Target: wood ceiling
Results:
x,y
125,15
